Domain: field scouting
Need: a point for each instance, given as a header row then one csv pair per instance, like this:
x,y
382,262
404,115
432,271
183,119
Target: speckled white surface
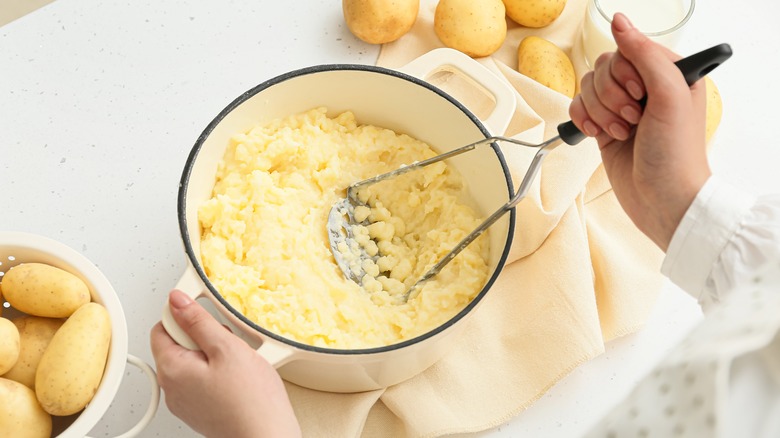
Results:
x,y
100,103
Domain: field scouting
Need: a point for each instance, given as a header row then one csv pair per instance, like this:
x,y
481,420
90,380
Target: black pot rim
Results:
x,y
193,155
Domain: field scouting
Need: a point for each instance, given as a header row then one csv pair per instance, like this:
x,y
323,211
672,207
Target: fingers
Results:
x,y
579,115
164,347
174,362
625,74
199,324
160,341
599,102
651,61
619,88
604,104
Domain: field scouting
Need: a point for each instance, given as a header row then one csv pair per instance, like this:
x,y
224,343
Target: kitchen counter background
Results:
x,y
100,103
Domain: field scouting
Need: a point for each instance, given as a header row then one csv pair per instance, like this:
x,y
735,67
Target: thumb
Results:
x,y
199,324
653,62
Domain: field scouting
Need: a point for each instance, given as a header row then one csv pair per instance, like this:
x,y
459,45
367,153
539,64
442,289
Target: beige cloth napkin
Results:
x,y
579,274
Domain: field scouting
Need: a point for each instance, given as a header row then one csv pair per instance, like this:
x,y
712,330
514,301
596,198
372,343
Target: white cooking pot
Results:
x,y
16,248
406,103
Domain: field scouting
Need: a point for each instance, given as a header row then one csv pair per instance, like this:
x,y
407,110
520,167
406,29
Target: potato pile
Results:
x,y
478,28
52,358
475,27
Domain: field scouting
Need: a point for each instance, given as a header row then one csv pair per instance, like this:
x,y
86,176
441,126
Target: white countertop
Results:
x,y
100,103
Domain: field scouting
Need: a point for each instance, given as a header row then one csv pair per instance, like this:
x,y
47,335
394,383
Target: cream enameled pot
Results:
x,y
404,102
18,247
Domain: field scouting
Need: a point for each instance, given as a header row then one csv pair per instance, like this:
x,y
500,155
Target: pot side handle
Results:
x,y
455,62
190,284
154,402
276,355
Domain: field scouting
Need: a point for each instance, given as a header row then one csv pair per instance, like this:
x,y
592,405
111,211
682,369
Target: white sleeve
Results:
x,y
723,238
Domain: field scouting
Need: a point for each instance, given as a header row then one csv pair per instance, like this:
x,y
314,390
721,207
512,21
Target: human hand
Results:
x,y
655,157
224,390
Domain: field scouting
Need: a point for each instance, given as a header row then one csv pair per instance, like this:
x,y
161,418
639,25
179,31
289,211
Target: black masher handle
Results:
x,y
693,68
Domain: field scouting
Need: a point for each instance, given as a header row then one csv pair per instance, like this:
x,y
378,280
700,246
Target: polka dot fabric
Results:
x,y
696,391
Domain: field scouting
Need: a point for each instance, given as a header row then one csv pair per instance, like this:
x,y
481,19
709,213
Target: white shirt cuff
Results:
x,y
707,226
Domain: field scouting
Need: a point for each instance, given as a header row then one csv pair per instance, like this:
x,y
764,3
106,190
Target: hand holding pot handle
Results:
x,y
191,285
209,389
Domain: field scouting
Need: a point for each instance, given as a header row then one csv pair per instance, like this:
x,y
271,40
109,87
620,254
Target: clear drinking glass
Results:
x,y
661,20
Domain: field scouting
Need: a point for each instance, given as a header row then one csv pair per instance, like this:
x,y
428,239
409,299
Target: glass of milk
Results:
x,y
661,20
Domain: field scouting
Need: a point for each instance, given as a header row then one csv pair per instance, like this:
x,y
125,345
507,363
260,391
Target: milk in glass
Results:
x,y
656,18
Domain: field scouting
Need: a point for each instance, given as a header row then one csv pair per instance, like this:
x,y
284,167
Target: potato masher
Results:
x,y
341,219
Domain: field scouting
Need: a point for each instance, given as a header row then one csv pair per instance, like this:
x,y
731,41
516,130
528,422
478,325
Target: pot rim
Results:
x,y
192,158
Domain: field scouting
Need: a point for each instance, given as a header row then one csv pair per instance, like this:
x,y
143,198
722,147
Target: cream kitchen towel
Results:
x,y
579,274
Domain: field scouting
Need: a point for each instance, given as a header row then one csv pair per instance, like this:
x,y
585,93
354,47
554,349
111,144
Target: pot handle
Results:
x,y
452,61
276,355
154,403
190,284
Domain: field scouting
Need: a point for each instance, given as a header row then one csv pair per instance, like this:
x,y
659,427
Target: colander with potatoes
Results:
x,y
63,341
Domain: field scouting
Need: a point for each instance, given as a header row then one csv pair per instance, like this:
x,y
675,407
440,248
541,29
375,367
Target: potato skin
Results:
x,y
534,13
10,345
20,414
35,333
42,290
547,64
475,27
380,21
72,366
714,110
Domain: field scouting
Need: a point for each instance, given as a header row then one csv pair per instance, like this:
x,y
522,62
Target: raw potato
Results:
x,y
547,64
380,21
9,345
714,108
534,13
72,366
35,333
475,27
43,290
20,414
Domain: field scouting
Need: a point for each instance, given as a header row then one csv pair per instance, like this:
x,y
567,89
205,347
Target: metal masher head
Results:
x,y
346,230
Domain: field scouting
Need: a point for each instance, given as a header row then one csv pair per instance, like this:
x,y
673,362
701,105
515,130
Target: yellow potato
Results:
x,y
42,290
72,366
547,64
380,21
20,414
35,333
534,13
714,108
475,27
9,345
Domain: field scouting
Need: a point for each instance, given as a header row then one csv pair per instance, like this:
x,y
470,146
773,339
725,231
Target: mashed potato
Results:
x,y
265,244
